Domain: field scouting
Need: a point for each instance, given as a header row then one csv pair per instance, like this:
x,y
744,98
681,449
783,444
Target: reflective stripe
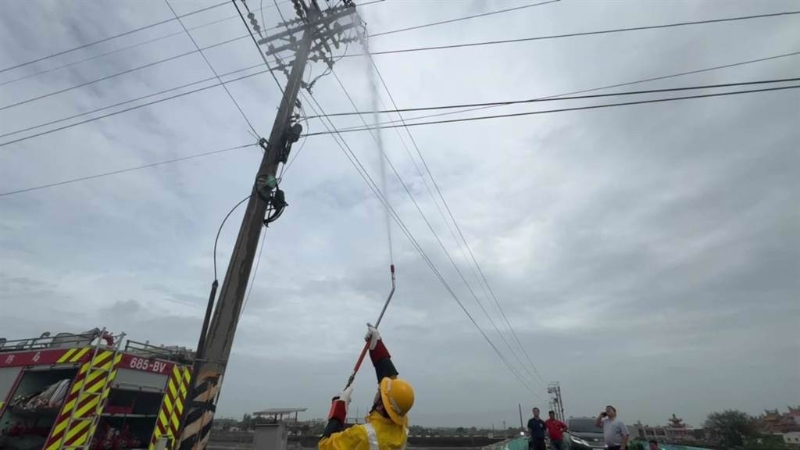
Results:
x,y
372,437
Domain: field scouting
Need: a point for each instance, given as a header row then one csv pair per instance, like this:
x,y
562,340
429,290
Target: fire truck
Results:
x,y
92,390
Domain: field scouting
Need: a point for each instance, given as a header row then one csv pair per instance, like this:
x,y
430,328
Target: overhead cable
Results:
x,y
560,98
475,16
568,35
427,222
122,49
708,69
129,169
344,146
550,111
457,227
214,71
109,38
611,86
124,72
114,113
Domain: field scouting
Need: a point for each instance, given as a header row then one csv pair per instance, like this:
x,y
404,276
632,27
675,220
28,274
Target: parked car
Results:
x,y
583,434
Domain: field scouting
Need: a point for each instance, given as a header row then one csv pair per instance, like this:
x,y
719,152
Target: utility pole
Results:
x,y
556,400
316,29
521,425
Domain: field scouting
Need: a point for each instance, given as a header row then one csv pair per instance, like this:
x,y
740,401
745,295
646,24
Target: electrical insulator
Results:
x,y
298,8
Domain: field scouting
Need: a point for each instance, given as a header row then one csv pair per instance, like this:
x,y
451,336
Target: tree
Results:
x,y
730,427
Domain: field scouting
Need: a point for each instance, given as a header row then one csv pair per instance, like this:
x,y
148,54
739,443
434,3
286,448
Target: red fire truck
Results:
x,y
92,390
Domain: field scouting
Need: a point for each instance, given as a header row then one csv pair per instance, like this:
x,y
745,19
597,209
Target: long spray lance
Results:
x,y
377,323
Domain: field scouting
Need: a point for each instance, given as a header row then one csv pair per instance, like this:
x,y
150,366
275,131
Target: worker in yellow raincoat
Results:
x,y
386,427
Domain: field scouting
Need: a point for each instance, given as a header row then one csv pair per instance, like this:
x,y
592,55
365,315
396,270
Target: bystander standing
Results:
x,y
615,433
555,429
536,429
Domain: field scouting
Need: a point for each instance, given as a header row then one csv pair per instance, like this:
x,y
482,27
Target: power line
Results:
x,y
611,86
214,71
114,113
130,47
124,34
561,98
490,13
128,102
550,111
117,172
428,223
344,146
124,72
708,69
585,33
250,33
455,223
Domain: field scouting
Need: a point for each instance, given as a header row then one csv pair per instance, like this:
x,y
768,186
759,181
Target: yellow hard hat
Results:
x,y
398,398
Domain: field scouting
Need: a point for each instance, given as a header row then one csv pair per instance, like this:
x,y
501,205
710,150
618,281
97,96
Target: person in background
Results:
x,y
556,429
615,433
653,445
536,430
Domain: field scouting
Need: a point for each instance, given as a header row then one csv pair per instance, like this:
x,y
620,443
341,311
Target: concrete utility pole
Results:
x,y
316,28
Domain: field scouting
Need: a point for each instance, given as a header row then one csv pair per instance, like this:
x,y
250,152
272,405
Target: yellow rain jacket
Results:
x,y
379,433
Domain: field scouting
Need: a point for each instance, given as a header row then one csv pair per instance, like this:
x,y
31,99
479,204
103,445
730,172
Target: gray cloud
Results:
x,y
646,256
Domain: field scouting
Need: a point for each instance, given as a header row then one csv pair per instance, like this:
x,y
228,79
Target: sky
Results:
x,y
645,256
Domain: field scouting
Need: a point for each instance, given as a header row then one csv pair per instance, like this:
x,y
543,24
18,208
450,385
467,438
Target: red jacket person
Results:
x,y
386,427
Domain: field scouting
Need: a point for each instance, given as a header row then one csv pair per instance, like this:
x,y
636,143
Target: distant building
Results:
x,y
775,422
676,431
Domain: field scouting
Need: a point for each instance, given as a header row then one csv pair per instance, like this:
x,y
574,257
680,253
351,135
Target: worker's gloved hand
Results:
x,y
345,396
373,336
340,404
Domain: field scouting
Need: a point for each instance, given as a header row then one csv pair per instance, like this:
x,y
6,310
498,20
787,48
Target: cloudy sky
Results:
x,y
646,256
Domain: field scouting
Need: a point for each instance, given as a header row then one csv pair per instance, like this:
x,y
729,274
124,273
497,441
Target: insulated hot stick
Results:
x,y
377,323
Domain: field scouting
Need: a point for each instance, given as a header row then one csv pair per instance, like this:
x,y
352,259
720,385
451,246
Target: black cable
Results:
x,y
216,239
549,111
108,38
345,147
708,69
280,13
561,98
427,222
264,58
455,223
214,71
124,110
611,86
586,33
124,72
490,13
117,172
140,44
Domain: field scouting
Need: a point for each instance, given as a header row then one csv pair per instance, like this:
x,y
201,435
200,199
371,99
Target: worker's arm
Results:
x,y
352,438
379,355
338,413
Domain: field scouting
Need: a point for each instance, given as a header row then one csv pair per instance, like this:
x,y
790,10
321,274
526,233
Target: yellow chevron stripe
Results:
x,y
162,417
101,357
65,357
90,406
175,422
187,375
171,386
168,405
61,426
79,427
79,354
179,406
55,445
